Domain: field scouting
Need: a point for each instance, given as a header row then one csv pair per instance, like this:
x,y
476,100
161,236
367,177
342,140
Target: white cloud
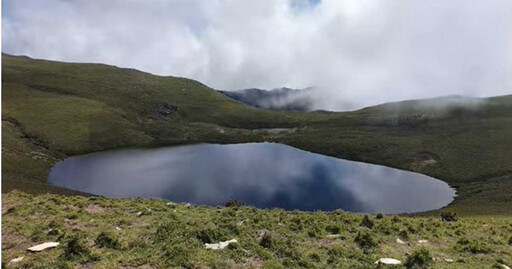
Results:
x,y
358,52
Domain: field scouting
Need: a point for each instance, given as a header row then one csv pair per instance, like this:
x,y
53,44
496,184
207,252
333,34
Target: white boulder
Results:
x,y
43,246
388,261
220,245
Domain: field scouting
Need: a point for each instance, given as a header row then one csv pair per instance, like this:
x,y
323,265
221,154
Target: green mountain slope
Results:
x,y
53,110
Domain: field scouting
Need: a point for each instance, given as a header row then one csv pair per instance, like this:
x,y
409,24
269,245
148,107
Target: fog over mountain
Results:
x,y
276,99
355,52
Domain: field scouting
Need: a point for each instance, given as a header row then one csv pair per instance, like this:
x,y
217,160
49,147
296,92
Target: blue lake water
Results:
x,y
264,175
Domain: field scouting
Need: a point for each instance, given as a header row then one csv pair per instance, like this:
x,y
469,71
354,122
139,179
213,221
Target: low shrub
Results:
x,y
366,222
365,240
314,257
179,256
475,247
75,249
107,240
333,229
234,203
448,216
379,216
419,259
403,234
336,251
165,231
267,241
210,235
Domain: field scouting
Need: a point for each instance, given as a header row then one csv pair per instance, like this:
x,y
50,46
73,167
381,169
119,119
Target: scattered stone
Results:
x,y
43,246
503,266
188,205
399,241
240,223
118,228
171,203
448,260
333,236
423,241
220,245
16,260
139,213
388,261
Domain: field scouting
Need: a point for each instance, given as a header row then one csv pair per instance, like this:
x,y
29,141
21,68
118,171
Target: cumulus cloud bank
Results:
x,y
356,52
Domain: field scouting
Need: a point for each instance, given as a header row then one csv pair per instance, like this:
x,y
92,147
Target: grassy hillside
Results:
x,y
53,110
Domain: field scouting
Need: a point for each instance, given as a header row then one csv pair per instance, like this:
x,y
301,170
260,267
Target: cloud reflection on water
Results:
x,y
260,174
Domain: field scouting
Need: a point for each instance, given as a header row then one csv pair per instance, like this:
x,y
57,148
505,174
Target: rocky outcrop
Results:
x,y
166,110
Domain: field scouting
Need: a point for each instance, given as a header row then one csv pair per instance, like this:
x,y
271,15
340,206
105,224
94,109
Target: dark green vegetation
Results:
x,y
97,232
54,110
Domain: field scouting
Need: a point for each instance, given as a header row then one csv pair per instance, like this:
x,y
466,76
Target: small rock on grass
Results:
x,y
240,223
423,241
503,266
220,245
43,246
399,241
16,260
333,236
388,261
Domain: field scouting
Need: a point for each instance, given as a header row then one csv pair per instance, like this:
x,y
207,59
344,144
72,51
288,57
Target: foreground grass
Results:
x,y
112,233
